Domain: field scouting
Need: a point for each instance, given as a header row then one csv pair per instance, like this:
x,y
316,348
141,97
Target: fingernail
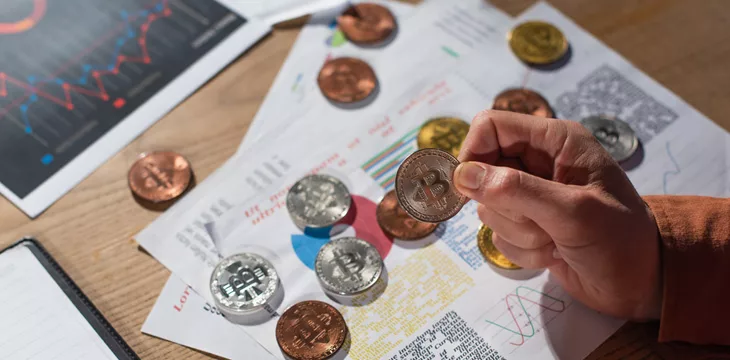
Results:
x,y
556,254
469,175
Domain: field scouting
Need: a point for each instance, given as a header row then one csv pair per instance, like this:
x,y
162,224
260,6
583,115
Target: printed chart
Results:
x,y
523,314
383,166
72,70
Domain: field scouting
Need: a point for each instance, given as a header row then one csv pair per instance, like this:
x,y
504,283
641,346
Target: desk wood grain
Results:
x,y
682,44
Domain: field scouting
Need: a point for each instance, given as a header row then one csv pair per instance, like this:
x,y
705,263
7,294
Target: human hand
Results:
x,y
555,199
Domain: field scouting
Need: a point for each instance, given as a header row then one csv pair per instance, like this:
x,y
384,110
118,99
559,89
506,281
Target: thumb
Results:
x,y
506,188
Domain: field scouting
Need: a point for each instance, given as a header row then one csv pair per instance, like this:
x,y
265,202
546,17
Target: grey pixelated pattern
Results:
x,y
606,92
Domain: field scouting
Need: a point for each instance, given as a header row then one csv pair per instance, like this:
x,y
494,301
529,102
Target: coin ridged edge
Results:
x,y
404,203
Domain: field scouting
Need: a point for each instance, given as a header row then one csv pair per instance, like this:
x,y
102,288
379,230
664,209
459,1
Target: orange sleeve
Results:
x,y
695,235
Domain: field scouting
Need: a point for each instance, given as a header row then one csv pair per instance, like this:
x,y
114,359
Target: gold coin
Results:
x,y
537,42
445,133
484,240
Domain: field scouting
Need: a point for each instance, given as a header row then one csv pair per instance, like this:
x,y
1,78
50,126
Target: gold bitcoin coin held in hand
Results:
x,y
537,42
445,133
425,186
491,254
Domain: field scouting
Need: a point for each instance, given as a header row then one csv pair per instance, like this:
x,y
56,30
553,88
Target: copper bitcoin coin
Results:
x,y
160,176
311,330
346,80
425,186
523,101
397,223
366,23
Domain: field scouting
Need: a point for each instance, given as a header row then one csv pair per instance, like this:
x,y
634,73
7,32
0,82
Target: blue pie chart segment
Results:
x,y
307,247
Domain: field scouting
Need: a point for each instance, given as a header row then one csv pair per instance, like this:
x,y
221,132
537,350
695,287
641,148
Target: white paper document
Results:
x,y
439,298
275,11
37,319
429,39
184,317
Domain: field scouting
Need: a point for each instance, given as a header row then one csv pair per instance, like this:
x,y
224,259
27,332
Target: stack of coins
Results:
x,y
397,223
311,330
490,253
445,133
615,135
439,141
524,101
244,287
157,179
538,43
348,266
346,80
424,185
317,202
367,23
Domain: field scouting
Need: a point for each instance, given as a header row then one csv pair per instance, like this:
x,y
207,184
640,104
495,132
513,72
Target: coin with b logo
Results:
x,y
425,186
615,135
348,266
243,284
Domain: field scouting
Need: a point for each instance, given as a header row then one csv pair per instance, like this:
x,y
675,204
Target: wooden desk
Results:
x,y
685,45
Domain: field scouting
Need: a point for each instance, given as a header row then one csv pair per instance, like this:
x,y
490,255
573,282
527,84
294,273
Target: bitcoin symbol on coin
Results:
x,y
424,188
431,188
312,330
156,178
606,136
448,139
348,265
243,282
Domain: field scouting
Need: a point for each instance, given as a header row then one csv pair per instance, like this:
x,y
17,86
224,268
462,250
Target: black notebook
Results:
x,y
44,315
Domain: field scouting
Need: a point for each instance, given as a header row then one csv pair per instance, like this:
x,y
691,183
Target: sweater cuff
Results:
x,y
695,237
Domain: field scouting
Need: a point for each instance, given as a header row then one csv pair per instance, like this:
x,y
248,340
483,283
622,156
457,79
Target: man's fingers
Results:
x,y
539,258
534,140
541,200
481,142
524,234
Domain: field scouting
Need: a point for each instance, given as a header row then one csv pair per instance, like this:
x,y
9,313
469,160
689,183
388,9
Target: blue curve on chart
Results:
x,y
87,69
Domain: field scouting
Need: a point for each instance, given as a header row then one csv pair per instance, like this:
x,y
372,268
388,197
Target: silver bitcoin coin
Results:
x,y
616,136
425,186
243,284
318,201
348,266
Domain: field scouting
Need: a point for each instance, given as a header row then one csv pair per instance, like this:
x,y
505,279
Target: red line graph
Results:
x,y
99,91
517,300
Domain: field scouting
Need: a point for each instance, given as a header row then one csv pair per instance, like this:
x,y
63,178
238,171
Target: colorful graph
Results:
x,y
523,313
83,85
361,219
72,70
383,166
